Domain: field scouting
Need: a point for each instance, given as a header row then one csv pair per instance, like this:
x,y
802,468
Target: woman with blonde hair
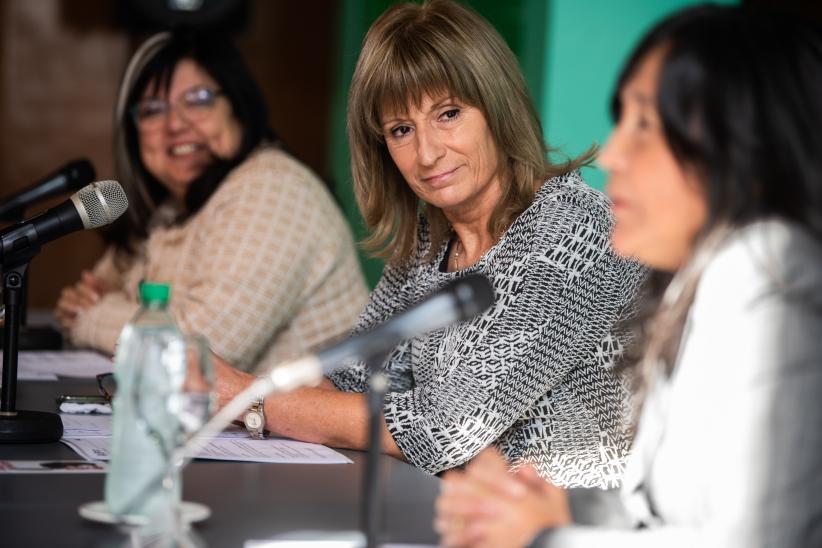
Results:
x,y
450,172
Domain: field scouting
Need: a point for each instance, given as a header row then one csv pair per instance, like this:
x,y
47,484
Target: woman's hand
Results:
x,y
228,381
487,506
77,298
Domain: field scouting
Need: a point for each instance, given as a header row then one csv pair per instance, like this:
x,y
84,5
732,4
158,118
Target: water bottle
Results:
x,y
142,484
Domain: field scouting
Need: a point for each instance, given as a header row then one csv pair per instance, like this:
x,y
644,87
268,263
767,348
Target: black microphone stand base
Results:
x,y
19,426
30,427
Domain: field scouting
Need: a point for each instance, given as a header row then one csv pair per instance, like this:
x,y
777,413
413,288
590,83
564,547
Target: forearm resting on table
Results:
x,y
321,414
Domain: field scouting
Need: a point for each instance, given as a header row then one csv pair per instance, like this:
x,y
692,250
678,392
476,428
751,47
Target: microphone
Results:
x,y
460,300
72,176
95,205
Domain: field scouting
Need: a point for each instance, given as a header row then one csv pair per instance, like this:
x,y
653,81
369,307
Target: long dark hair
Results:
x,y
154,64
739,95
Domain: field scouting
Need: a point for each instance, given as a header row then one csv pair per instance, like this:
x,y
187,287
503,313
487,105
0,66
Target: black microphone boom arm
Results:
x,y
20,242
72,176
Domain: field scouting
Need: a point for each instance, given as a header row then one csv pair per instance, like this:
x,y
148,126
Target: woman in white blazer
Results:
x,y
715,174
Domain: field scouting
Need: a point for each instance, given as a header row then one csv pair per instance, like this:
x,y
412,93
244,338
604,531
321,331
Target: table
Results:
x,y
247,500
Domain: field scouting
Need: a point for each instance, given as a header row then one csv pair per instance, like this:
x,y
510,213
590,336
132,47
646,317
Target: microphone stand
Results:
x,y
371,510
41,337
19,426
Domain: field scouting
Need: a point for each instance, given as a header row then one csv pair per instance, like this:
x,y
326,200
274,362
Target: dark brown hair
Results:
x,y
740,100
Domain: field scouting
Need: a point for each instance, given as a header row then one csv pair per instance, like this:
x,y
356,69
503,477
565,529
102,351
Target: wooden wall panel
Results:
x,y
58,86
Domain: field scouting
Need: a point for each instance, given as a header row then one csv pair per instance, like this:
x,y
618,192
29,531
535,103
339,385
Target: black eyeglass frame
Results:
x,y
106,385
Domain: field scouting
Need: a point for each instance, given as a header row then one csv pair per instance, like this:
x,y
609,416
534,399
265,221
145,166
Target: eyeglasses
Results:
x,y
107,385
194,105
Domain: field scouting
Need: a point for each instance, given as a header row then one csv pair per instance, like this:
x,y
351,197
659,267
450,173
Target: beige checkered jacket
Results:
x,y
266,270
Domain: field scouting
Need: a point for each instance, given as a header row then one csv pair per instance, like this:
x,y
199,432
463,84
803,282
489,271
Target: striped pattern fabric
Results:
x,y
266,270
532,375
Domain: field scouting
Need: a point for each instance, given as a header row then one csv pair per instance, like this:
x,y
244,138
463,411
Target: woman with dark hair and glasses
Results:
x,y
258,255
715,172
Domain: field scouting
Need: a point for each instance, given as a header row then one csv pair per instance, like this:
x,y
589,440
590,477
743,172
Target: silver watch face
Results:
x,y
253,420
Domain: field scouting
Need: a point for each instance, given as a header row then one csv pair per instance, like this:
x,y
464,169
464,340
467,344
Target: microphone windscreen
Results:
x,y
474,293
100,203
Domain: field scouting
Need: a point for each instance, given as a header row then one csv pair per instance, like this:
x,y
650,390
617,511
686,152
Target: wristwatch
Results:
x,y
254,419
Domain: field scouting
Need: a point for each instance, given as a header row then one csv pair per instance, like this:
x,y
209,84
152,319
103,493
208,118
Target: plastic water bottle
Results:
x,y
143,485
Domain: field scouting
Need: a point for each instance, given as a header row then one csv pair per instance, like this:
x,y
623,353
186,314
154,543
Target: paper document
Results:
x,y
90,437
34,376
90,448
270,450
99,426
322,539
35,365
86,426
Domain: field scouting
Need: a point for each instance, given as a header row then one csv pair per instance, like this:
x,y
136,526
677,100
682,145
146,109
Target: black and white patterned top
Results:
x,y
533,374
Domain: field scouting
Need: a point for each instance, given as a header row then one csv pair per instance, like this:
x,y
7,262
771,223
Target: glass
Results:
x,y
194,105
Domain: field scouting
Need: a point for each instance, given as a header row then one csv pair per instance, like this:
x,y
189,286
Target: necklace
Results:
x,y
458,251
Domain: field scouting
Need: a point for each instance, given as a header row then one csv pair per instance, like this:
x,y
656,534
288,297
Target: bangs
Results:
x,y
156,76
410,69
161,82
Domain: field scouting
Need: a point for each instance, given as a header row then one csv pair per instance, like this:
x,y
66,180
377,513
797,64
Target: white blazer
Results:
x,y
728,451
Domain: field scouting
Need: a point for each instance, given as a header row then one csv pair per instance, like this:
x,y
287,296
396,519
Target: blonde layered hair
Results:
x,y
439,48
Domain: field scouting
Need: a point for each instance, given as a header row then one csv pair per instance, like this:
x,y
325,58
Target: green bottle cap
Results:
x,y
154,292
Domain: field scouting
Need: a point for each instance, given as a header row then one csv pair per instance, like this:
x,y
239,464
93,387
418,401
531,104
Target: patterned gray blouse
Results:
x,y
533,374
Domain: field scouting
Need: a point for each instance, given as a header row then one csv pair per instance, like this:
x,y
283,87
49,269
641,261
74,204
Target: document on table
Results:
x,y
86,426
35,376
99,426
326,539
37,365
270,450
90,437
95,449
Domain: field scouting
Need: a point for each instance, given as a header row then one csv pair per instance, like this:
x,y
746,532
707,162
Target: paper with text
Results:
x,y
90,437
37,365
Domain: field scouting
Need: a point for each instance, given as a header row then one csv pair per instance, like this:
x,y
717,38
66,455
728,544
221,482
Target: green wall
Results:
x,y
354,18
570,51
586,42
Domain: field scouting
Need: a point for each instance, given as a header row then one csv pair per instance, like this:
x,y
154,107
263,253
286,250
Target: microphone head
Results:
x,y
79,173
100,203
473,295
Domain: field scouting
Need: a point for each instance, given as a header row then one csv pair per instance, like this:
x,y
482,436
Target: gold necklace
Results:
x,y
457,253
